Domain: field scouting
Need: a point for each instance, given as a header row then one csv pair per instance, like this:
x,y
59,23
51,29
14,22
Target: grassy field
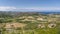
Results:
x,y
30,24
36,31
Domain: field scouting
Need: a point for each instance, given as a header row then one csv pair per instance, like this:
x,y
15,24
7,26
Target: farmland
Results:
x,y
29,23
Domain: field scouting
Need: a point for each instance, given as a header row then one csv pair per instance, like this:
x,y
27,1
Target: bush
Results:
x,y
9,20
2,21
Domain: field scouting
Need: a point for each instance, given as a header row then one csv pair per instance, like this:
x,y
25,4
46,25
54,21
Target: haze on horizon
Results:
x,y
29,5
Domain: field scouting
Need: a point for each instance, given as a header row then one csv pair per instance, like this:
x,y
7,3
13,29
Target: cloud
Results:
x,y
2,8
8,8
43,8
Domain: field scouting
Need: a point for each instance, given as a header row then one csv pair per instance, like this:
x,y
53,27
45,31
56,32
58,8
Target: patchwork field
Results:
x,y
29,23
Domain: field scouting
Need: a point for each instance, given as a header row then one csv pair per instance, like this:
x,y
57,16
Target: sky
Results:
x,y
29,5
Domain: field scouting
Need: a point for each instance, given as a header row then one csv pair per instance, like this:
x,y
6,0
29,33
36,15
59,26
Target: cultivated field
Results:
x,y
29,23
